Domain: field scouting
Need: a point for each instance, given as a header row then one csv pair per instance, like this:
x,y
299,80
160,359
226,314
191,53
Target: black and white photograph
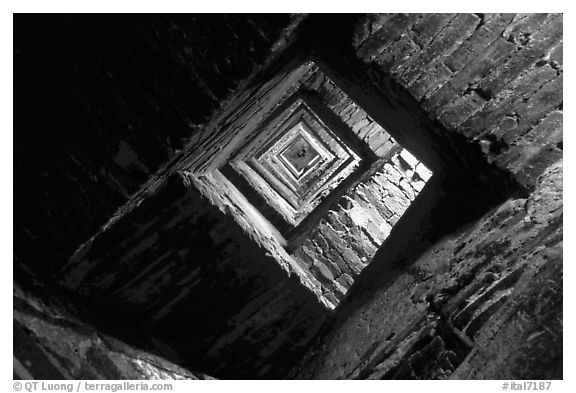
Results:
x,y
287,196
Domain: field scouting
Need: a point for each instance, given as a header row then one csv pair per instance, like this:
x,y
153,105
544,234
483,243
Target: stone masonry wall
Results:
x,y
250,107
358,121
235,123
346,240
188,274
483,303
170,261
495,79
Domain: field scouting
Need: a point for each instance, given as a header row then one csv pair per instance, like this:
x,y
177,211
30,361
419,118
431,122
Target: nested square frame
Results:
x,y
336,158
267,174
299,156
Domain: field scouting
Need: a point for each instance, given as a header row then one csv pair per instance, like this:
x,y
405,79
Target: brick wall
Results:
x,y
459,89
494,78
484,301
191,277
345,242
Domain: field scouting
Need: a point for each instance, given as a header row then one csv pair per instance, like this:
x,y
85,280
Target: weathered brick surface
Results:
x,y
197,280
449,37
484,303
132,260
477,72
366,214
353,116
201,271
321,258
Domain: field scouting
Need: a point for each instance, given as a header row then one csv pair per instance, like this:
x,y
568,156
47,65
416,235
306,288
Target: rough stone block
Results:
x,y
348,111
336,259
305,258
352,259
375,195
393,205
406,186
391,173
377,235
365,132
360,243
423,172
409,158
418,185
384,149
361,125
319,240
345,280
376,138
430,81
341,289
333,218
461,109
323,272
